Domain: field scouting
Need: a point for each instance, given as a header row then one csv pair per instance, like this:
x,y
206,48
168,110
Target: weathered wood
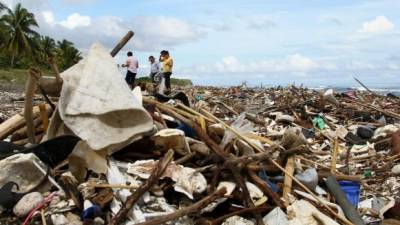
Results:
x,y
335,151
28,108
287,183
195,208
44,116
155,175
122,43
323,174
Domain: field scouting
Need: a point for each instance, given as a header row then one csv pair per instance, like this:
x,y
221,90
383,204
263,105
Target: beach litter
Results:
x,y
203,155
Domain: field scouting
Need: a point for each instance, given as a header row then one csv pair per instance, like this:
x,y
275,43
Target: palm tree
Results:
x,y
2,6
47,45
43,48
3,28
19,23
67,54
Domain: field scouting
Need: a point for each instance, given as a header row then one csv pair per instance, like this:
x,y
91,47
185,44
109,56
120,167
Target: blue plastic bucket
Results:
x,y
352,190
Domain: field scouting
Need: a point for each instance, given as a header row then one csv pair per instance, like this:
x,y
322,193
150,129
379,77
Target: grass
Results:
x,y
13,76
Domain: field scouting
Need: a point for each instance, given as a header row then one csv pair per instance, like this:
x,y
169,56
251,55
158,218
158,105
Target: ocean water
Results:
x,y
378,90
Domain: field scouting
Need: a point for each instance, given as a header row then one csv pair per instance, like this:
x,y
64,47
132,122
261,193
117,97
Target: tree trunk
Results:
x,y
12,60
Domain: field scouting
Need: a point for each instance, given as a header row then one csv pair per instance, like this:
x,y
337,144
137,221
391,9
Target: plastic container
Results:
x,y
352,190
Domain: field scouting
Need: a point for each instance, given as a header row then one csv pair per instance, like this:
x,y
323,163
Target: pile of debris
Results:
x,y
106,155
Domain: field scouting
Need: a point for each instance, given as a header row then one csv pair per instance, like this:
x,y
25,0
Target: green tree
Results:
x,y
43,48
19,23
3,28
66,54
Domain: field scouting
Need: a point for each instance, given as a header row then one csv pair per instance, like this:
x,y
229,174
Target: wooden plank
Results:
x,y
287,183
14,123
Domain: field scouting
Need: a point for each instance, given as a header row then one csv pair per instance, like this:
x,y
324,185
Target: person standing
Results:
x,y
154,68
167,64
132,65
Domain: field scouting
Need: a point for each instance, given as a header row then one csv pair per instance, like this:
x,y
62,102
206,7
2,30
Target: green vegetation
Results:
x,y
174,81
22,47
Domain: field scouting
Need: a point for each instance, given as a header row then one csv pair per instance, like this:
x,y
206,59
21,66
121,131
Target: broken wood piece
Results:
x,y
287,183
44,116
33,75
202,123
324,173
132,199
70,186
54,67
195,208
22,132
386,112
121,43
335,151
194,112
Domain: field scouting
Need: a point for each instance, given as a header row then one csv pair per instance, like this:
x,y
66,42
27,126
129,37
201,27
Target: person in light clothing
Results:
x,y
167,64
154,68
132,64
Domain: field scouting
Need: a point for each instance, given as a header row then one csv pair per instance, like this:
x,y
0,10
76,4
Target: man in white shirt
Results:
x,y
154,68
132,65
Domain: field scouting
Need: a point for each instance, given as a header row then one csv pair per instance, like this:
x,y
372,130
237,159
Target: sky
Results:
x,y
226,42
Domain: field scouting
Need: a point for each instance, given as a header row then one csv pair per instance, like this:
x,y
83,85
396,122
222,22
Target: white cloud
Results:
x,y
260,22
293,63
380,24
75,20
301,63
151,32
49,17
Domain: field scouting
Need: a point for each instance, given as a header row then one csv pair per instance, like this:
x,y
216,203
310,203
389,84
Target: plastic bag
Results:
x,y
240,125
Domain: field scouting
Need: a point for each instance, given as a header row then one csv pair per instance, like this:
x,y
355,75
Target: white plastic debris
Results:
x,y
83,158
285,118
309,178
276,217
172,139
237,220
229,186
328,96
97,105
302,212
68,219
396,169
385,131
241,125
14,168
256,194
115,176
187,180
